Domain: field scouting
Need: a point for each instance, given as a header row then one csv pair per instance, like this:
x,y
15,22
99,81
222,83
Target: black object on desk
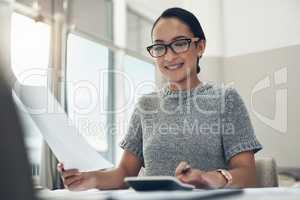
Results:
x,y
157,183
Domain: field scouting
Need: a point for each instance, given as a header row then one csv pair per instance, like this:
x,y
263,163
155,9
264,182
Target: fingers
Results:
x,y
77,186
70,176
71,180
81,182
181,168
184,178
67,173
194,177
70,172
60,167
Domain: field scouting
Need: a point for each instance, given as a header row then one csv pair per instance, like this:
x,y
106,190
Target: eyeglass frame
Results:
x,y
189,40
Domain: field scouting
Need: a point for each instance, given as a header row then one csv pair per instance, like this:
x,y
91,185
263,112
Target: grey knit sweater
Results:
x,y
205,126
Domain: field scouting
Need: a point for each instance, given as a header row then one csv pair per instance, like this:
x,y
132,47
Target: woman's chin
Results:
x,y
177,80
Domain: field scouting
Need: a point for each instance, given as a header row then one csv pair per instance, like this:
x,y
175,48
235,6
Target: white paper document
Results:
x,y
67,144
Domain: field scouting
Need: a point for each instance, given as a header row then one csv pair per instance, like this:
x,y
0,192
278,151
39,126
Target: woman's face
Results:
x,y
176,67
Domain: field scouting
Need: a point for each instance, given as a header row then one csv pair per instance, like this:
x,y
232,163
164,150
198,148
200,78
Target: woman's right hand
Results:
x,y
77,181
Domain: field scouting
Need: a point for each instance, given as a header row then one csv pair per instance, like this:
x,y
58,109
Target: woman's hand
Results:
x,y
77,181
198,178
130,165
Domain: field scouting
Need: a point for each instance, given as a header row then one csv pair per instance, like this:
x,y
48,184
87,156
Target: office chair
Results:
x,y
266,173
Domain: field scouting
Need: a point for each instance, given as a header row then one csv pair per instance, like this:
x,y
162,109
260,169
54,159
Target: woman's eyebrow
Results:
x,y
175,38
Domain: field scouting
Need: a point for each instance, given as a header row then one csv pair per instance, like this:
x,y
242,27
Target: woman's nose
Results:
x,y
170,55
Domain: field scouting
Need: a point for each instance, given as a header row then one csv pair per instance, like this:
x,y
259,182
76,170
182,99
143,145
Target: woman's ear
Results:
x,y
201,47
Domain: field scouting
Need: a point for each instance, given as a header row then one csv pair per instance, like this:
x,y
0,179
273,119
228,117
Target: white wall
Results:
x,y
154,8
208,13
236,27
262,37
259,25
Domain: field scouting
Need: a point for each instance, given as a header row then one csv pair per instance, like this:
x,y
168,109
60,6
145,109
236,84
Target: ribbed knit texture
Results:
x,y
204,126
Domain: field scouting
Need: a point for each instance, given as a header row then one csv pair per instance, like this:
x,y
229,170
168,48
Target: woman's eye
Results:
x,y
158,48
180,43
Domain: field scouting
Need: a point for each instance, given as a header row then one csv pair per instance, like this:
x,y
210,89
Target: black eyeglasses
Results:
x,y
177,46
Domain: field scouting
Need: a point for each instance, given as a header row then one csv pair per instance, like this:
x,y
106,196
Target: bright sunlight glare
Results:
x,y
29,50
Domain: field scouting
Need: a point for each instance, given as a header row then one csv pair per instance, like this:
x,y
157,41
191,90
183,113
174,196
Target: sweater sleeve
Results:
x,y
238,134
133,140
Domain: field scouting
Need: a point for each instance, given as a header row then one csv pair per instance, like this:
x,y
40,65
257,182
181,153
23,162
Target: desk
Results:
x,y
248,194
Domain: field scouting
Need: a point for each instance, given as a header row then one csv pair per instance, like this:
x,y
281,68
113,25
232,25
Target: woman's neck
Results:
x,y
186,84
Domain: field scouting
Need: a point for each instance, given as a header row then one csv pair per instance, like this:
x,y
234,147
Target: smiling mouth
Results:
x,y
175,66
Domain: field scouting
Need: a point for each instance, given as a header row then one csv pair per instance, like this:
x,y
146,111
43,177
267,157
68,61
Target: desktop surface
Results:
x,y
247,194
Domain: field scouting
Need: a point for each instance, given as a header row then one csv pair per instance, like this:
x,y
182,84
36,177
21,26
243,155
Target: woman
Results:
x,y
205,126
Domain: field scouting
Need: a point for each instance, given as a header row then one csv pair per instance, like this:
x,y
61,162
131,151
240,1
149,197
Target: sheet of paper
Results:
x,y
64,140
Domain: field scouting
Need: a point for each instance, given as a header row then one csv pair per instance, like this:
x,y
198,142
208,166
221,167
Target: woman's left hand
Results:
x,y
198,178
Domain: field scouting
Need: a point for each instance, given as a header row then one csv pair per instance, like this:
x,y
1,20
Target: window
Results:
x,y
29,57
139,79
138,32
87,86
93,17
29,50
26,2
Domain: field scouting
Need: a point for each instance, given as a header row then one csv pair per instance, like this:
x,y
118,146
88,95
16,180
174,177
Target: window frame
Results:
x,y
60,90
109,154
30,14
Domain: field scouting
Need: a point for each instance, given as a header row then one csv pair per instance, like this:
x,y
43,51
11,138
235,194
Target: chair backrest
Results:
x,y
266,173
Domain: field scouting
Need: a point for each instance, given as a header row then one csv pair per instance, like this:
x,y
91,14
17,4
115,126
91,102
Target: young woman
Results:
x,y
205,126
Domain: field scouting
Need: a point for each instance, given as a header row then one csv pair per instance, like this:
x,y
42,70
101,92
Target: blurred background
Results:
x,y
73,46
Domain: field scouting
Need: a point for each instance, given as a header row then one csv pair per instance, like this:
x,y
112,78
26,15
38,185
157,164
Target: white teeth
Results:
x,y
174,66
